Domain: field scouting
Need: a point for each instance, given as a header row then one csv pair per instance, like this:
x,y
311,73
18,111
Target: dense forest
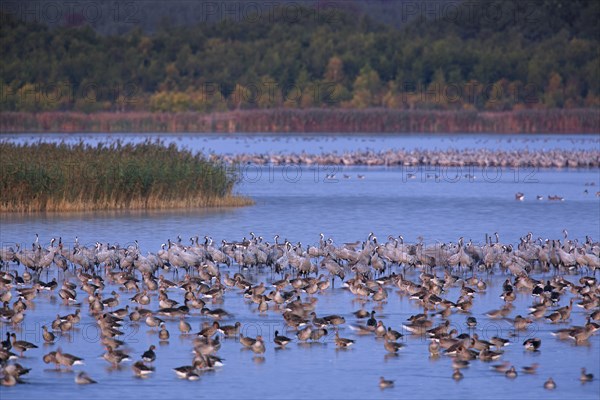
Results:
x,y
495,56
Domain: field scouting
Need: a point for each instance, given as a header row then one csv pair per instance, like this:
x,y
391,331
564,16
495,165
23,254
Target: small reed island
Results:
x,y
150,175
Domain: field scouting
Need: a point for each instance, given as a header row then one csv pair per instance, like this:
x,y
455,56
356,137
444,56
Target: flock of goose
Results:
x,y
556,158
117,285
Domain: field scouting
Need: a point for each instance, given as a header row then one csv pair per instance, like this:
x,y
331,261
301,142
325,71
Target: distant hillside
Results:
x,y
109,17
484,55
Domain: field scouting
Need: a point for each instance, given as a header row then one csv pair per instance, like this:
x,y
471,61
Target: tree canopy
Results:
x,y
482,55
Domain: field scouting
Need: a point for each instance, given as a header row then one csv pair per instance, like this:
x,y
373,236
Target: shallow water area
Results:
x,y
298,203
237,143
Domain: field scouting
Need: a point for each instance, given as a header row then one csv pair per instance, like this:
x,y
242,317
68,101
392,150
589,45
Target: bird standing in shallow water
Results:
x,y
281,340
457,375
149,355
530,369
141,370
585,377
258,347
511,373
47,335
163,334
21,345
392,347
550,384
84,379
385,383
471,322
341,342
532,344
184,327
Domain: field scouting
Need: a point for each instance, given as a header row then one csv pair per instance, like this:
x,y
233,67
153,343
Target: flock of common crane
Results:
x,y
365,257
555,158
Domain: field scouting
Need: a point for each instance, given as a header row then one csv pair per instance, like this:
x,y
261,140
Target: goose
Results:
x,y
479,344
511,373
550,384
112,342
565,312
153,321
334,320
471,322
149,355
393,335
16,370
141,370
585,377
21,345
530,369
385,383
392,347
489,355
51,358
230,330
6,344
532,344
8,380
83,379
280,340
372,321
121,312
115,357
380,329
582,335
503,367
362,329
341,342
141,298
258,347
304,334
184,327
210,330
111,301
163,334
66,359
457,375
317,334
434,348
521,323
48,336
246,341
457,363
217,313
185,371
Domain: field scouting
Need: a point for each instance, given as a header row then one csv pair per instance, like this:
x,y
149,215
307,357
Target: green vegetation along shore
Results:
x,y
150,175
314,120
483,55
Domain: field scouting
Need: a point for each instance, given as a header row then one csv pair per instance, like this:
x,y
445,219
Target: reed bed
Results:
x,y
314,120
60,177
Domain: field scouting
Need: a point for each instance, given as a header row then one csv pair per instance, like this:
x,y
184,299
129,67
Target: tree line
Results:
x,y
498,56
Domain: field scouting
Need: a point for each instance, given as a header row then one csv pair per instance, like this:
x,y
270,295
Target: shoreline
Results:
x,y
231,201
312,120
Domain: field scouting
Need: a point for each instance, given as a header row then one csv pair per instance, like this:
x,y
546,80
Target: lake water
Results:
x,y
261,143
298,203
